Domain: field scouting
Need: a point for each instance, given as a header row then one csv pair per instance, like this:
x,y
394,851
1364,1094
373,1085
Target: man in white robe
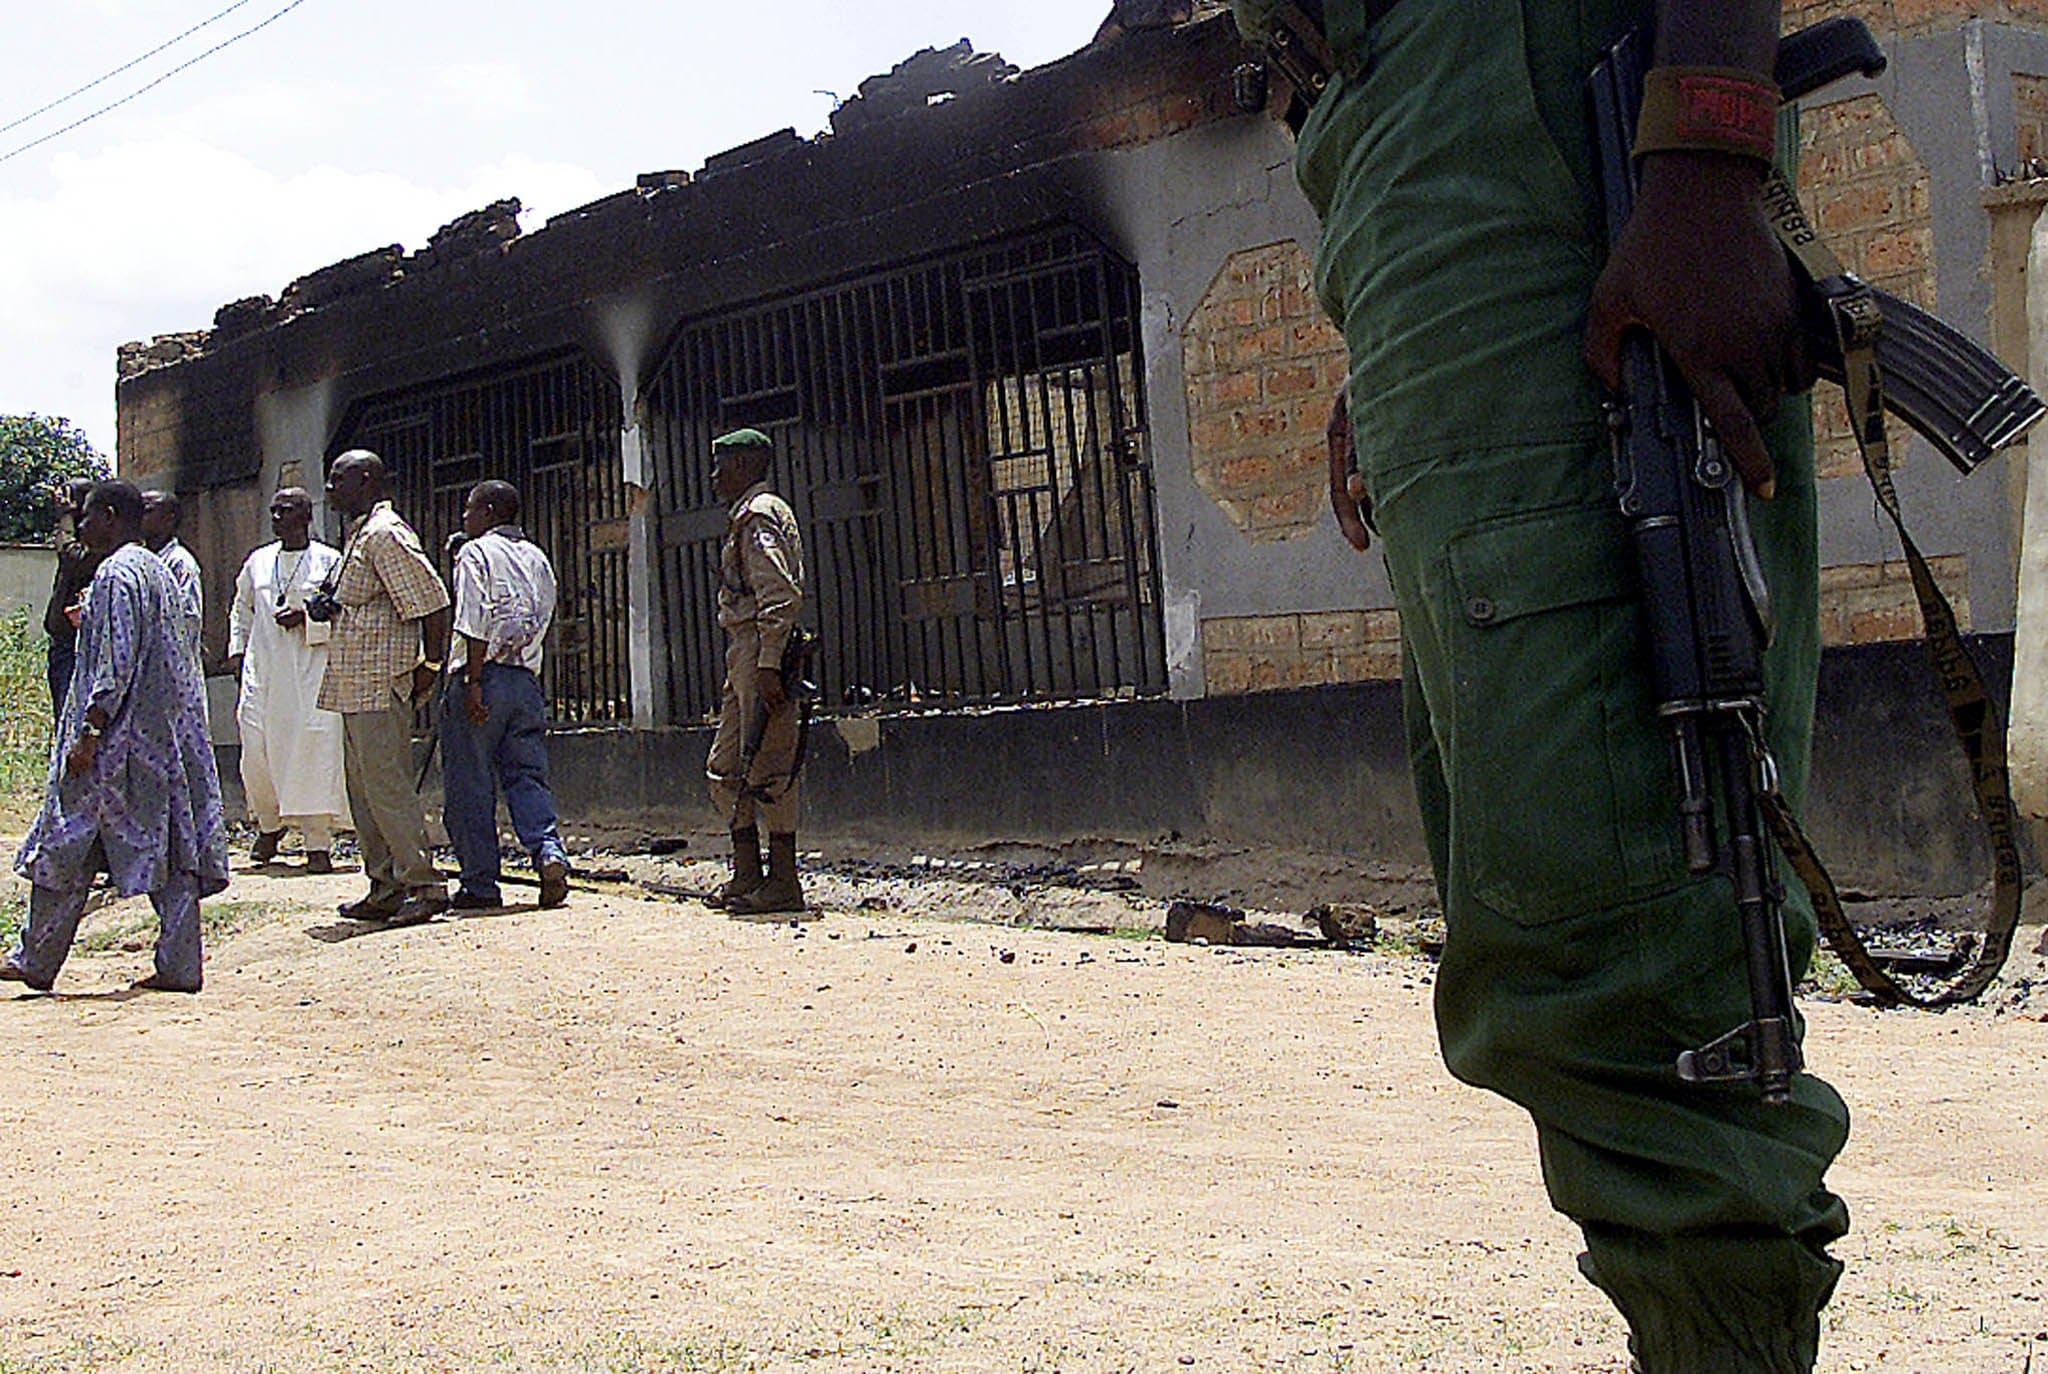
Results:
x,y
291,749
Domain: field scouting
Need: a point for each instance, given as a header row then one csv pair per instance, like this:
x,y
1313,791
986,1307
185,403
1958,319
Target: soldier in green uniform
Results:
x,y
760,596
1451,164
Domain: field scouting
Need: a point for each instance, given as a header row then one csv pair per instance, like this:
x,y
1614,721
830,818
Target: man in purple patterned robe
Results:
x,y
132,789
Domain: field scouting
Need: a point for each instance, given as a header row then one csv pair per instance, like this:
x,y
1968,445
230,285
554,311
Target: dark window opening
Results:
x,y
550,428
964,444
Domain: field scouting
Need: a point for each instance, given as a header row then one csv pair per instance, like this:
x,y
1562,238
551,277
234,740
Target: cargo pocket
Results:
x,y
1559,780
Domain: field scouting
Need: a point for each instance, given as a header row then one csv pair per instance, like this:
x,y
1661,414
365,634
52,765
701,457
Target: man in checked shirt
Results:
x,y
390,637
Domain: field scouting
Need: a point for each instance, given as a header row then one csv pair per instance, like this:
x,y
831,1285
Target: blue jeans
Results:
x,y
509,750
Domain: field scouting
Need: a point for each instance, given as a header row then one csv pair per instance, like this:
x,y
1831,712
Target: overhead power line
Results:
x,y
101,80
117,104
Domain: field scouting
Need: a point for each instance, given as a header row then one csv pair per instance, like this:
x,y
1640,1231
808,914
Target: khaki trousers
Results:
x,y
377,765
736,796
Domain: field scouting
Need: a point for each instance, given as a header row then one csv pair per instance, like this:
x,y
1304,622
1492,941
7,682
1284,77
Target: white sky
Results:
x,y
351,124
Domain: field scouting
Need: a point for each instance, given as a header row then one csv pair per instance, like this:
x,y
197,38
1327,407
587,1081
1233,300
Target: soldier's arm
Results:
x,y
1698,265
777,597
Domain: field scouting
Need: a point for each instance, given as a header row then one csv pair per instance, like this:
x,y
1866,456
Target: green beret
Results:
x,y
742,438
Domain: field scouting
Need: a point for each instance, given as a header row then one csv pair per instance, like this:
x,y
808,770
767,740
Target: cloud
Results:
x,y
484,91
151,237
268,114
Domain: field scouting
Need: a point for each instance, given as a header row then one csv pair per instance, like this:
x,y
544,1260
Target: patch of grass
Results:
x,y
137,923
84,1355
218,920
132,924
630,1354
25,726
13,911
1828,976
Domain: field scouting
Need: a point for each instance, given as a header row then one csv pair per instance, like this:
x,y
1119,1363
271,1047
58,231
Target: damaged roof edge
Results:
x,y
923,82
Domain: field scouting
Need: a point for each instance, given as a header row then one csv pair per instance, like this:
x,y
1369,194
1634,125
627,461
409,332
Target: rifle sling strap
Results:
x,y
1857,320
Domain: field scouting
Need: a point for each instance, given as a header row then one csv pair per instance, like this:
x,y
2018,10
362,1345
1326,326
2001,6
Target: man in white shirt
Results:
x,y
160,533
494,719
291,749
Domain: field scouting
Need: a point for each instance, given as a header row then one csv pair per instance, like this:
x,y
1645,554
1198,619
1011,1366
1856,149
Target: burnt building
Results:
x,y
1048,382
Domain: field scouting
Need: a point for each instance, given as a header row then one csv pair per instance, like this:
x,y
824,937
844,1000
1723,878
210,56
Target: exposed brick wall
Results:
x,y
1867,189
1888,17
1862,603
1255,653
2030,107
1262,363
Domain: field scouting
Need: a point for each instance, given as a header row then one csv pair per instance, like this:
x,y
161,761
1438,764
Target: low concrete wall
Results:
x,y
1320,768
25,573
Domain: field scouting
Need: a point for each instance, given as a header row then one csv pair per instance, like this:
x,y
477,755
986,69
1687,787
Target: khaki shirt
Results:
x,y
385,586
761,571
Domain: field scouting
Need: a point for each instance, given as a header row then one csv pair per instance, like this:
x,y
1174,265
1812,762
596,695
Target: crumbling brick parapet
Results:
x,y
136,357
239,318
475,234
927,77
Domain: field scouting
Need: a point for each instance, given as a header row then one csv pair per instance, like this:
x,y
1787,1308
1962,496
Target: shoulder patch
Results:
x,y
768,505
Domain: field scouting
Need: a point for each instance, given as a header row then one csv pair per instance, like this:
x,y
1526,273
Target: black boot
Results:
x,y
781,894
746,868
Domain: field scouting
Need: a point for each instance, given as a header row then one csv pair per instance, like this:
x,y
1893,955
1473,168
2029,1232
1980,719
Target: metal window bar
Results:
x,y
551,428
963,442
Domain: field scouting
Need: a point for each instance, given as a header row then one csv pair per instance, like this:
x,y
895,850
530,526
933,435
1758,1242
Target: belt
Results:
x,y
1301,46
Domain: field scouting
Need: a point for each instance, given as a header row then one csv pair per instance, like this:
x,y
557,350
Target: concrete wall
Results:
x,y
1262,592
1234,190
25,573
1320,768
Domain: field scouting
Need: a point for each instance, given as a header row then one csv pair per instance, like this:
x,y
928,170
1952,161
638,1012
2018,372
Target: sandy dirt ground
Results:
x,y
631,1135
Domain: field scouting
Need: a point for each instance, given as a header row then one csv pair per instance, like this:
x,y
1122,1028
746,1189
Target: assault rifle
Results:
x,y
1707,606
798,674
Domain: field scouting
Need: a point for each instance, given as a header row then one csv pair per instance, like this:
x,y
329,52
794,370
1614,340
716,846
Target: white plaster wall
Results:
x,y
25,573
2027,742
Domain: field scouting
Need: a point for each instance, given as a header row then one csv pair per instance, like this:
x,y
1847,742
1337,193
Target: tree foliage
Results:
x,y
37,452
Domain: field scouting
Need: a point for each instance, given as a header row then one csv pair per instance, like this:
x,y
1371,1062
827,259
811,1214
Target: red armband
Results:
x,y
1708,109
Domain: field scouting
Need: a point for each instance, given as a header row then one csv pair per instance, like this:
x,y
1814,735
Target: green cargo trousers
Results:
x,y
1451,166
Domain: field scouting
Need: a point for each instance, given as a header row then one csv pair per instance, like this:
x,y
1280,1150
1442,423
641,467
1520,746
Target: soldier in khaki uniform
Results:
x,y
760,595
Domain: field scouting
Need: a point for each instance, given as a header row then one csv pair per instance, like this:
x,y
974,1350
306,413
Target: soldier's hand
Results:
x,y
1348,500
773,694
1699,267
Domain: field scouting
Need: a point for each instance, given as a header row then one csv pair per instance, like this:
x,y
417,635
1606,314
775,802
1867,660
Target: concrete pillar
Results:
x,y
2027,743
646,667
